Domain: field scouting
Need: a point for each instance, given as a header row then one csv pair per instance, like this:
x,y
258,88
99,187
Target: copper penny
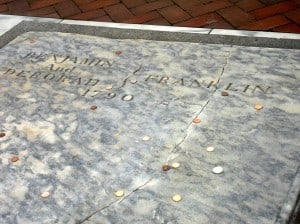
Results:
x,y
118,52
224,93
14,159
2,134
196,120
258,106
166,167
94,107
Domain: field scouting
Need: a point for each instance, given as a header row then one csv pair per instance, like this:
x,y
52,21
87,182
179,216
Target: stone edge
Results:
x,y
289,213
16,25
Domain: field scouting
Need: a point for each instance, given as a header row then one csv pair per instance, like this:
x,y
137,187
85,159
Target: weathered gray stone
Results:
x,y
50,80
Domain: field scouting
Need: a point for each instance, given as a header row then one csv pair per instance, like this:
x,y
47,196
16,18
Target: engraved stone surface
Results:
x,y
79,142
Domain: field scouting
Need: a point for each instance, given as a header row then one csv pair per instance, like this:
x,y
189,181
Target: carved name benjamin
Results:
x,y
63,59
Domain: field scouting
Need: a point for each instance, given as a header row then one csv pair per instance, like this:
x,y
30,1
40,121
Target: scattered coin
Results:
x,y
94,107
258,106
119,193
146,138
196,120
175,165
166,167
218,169
2,134
127,98
177,198
224,93
210,149
133,81
118,52
14,159
45,194
109,87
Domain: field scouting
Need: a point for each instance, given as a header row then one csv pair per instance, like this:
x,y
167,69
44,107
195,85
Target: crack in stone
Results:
x,y
223,69
138,188
176,148
173,151
114,202
95,212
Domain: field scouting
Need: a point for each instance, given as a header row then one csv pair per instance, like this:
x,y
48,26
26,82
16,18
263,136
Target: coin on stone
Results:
x,y
133,81
196,120
210,149
177,198
94,107
258,106
109,87
45,194
14,159
175,165
146,138
118,52
166,167
224,93
119,193
218,169
2,134
127,98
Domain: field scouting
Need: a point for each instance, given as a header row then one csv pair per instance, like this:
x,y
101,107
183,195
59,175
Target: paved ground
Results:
x,y
267,15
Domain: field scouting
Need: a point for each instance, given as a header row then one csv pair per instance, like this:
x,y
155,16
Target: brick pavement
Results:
x,y
267,15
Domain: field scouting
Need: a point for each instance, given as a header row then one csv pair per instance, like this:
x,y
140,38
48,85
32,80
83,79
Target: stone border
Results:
x,y
12,26
287,211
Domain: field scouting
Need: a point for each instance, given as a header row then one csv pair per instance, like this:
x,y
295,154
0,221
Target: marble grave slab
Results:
x,y
98,130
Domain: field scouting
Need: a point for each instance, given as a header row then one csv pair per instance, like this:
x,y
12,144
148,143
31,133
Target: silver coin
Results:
x,y
218,170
